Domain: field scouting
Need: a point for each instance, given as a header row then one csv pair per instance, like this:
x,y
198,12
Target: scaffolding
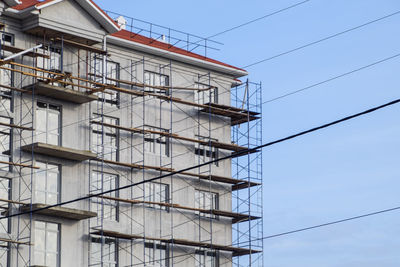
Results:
x,y
148,224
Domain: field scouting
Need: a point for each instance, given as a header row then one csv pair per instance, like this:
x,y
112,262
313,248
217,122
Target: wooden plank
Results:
x,y
244,185
13,88
143,85
215,144
82,46
131,165
214,178
245,111
14,49
19,165
12,201
183,242
216,110
13,241
16,126
237,217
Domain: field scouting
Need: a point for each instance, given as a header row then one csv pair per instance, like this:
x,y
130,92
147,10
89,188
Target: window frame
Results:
x,y
48,131
55,53
98,68
153,196
99,240
151,81
5,188
105,202
100,132
45,251
151,250
212,94
204,254
155,143
204,153
6,131
200,202
4,92
46,192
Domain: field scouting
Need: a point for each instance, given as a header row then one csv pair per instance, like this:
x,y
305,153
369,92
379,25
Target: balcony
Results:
x,y
59,212
61,93
59,152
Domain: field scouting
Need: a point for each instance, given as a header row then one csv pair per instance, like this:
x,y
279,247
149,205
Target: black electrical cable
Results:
x,y
213,161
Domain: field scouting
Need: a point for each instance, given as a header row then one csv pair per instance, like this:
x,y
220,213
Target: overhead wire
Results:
x,y
215,160
258,19
323,39
332,79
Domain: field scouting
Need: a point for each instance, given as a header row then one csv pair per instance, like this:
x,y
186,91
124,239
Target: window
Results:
x,y
206,152
47,184
4,194
108,257
205,96
5,143
48,123
105,139
155,192
5,93
155,79
206,258
156,255
7,38
47,244
53,63
156,143
110,98
6,76
206,200
105,208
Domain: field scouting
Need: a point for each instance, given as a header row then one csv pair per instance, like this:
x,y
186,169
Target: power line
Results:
x,y
216,160
323,39
273,99
304,229
333,78
257,19
329,223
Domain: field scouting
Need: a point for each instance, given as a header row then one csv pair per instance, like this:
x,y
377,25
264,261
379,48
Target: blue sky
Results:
x,y
343,171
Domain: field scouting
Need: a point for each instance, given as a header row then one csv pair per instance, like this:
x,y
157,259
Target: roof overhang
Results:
x,y
12,2
178,57
94,10
108,23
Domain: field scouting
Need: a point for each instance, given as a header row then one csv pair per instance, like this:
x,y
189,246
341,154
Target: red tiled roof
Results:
x,y
127,35
105,14
134,37
44,2
26,4
29,3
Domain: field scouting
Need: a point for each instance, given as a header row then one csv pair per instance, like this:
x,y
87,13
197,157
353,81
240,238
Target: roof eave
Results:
x,y
19,14
12,2
99,15
236,73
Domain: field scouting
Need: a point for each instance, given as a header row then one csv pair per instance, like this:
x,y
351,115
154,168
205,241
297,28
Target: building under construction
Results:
x,y
111,133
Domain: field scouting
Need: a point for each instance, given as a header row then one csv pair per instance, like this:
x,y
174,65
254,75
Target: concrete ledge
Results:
x,y
61,93
60,212
59,152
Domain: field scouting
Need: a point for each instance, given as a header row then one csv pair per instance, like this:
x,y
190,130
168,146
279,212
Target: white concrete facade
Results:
x,y
70,19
